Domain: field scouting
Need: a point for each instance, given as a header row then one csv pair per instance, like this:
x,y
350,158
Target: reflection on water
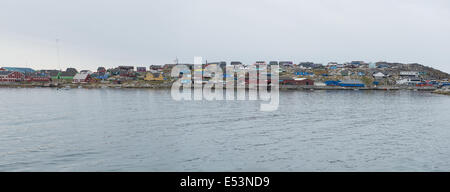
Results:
x,y
145,130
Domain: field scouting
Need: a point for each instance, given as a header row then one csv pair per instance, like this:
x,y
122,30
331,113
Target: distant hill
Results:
x,y
427,72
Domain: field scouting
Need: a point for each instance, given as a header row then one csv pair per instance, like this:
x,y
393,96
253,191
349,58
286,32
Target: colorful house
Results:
x,y
333,67
379,75
81,78
332,83
351,83
100,76
141,69
37,77
64,75
11,76
154,77
156,67
304,81
101,70
297,81
303,73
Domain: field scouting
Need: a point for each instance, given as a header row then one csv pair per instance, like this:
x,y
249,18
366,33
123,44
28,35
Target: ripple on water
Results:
x,y
145,130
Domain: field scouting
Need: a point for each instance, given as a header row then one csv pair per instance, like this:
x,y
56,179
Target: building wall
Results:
x,y
12,77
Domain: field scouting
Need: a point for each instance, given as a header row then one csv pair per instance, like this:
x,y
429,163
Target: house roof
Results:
x,y
86,71
19,69
37,75
156,67
5,72
81,76
53,73
379,74
67,74
156,75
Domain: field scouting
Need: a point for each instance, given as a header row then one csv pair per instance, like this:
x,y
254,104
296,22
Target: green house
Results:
x,y
63,75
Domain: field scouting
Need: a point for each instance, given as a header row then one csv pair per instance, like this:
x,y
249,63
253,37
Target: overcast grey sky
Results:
x,y
130,32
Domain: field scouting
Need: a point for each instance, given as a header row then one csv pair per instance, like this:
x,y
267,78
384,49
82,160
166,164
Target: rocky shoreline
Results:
x,y
443,91
169,85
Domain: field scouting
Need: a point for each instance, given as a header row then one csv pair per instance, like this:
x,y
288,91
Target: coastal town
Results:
x,y
304,75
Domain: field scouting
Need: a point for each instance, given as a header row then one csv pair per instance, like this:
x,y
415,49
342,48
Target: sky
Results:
x,y
109,33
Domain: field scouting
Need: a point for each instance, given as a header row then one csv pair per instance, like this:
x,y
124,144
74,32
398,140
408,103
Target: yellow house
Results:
x,y
154,77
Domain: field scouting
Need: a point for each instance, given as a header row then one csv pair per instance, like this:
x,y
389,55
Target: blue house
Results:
x,y
332,83
227,75
303,73
103,77
351,83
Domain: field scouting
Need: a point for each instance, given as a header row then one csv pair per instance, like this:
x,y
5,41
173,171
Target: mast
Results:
x,y
57,54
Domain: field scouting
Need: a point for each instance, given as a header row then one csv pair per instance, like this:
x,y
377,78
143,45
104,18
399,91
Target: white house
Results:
x,y
379,75
408,81
409,73
81,78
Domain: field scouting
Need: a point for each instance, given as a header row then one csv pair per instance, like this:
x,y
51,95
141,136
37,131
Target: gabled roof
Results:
x,y
81,76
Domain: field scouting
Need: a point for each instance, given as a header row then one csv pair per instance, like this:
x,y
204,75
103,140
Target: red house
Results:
x,y
37,78
101,70
11,76
141,69
298,81
304,81
81,78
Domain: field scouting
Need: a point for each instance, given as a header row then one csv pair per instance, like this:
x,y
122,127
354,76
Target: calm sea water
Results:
x,y
145,130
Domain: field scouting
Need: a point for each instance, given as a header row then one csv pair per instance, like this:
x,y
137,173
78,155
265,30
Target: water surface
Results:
x,y
145,130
